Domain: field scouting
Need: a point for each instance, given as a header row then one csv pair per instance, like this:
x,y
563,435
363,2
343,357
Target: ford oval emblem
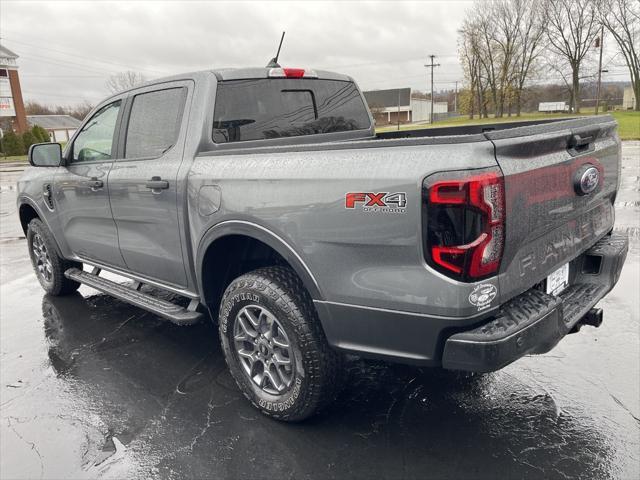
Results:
x,y
587,180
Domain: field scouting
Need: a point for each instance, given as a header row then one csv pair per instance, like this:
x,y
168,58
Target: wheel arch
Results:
x,y
26,213
214,253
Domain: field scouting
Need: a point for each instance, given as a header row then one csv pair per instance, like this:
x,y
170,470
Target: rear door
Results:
x,y
551,217
143,185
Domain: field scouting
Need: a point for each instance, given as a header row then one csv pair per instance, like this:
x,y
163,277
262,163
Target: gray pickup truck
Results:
x,y
263,197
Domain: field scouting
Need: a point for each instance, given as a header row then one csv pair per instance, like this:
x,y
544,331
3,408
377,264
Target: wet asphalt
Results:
x,y
91,387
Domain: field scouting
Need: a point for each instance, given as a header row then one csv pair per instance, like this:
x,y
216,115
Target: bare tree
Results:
x,y
81,110
500,43
531,36
507,16
78,111
622,19
482,26
36,108
124,80
470,67
479,73
572,26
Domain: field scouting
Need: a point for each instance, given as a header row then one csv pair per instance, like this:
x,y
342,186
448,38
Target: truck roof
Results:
x,y
263,72
225,74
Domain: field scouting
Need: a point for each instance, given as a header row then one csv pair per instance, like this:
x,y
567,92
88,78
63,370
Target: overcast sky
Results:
x,y
68,49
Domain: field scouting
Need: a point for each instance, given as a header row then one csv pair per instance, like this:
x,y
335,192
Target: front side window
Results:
x,y
275,108
154,123
95,140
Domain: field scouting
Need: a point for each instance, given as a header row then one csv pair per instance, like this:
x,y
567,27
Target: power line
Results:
x,y
67,64
392,61
82,57
65,76
409,77
47,94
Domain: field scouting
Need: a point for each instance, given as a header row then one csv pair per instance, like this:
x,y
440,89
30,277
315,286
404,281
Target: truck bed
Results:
x,y
472,129
415,137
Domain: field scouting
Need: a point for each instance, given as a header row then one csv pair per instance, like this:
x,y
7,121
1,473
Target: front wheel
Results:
x,y
47,264
274,345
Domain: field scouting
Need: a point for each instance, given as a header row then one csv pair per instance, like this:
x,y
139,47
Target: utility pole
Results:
x,y
398,114
455,99
432,65
599,68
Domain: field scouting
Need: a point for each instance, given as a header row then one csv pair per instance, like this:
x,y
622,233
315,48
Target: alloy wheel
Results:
x,y
264,349
42,259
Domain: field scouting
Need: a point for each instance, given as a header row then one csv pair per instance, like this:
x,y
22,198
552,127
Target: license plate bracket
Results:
x,y
558,280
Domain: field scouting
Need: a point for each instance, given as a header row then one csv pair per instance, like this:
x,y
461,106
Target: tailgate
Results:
x,y
551,217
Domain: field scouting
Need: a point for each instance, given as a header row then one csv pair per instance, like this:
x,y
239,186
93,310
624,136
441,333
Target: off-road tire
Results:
x,y
58,284
318,368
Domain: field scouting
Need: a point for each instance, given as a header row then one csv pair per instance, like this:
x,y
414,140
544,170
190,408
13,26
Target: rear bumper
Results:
x,y
535,322
530,323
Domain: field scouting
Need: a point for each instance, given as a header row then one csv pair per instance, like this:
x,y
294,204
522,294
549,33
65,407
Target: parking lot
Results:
x,y
92,387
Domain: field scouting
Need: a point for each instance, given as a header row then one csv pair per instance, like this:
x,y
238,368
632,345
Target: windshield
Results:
x,y
274,108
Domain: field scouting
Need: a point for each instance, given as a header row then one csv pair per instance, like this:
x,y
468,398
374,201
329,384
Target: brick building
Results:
x,y
12,113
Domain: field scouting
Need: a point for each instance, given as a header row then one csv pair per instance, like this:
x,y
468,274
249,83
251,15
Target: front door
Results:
x,y
81,189
143,185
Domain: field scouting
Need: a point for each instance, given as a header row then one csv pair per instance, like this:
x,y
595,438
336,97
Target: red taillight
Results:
x,y
448,193
292,73
464,224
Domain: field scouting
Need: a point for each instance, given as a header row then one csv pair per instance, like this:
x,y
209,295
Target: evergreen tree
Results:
x,y
40,134
28,139
12,144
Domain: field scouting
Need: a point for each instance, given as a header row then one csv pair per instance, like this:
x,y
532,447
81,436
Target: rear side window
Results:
x,y
154,123
276,108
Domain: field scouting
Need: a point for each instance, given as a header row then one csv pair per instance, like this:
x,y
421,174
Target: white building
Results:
x,y
628,99
398,104
421,109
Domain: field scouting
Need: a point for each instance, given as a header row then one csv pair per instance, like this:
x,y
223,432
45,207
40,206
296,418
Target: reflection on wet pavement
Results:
x,y
91,387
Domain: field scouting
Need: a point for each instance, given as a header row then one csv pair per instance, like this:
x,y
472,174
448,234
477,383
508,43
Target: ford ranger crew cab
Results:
x,y
263,198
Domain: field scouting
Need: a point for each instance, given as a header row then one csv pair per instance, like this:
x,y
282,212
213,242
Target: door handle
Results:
x,y
156,183
578,141
95,184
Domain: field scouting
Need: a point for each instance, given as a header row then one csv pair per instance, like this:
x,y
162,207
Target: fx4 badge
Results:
x,y
377,202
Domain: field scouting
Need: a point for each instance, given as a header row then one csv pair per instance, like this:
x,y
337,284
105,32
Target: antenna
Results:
x,y
273,63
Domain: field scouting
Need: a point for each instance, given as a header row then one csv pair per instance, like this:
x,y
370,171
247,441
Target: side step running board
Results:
x,y
171,311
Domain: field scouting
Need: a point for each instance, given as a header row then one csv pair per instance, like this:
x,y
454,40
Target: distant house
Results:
x,y
398,104
628,99
60,127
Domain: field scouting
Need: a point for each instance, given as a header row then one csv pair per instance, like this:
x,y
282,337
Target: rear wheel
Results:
x,y
47,264
275,347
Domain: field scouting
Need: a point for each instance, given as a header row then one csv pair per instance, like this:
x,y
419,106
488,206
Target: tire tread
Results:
x,y
60,285
323,365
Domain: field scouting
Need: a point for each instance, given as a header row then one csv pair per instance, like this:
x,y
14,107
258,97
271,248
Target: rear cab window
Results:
x,y
270,108
154,122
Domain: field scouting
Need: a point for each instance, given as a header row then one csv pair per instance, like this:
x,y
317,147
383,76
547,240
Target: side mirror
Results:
x,y
45,155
